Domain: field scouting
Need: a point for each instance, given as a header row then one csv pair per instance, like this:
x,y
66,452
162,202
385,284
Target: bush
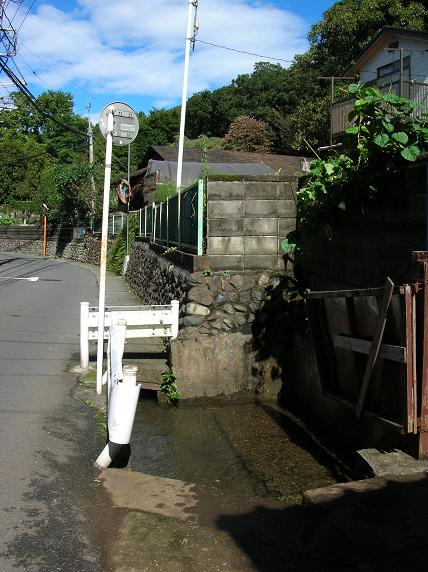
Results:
x,y
118,249
6,220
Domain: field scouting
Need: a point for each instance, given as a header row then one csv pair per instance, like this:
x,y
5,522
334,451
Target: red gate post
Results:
x,y
423,424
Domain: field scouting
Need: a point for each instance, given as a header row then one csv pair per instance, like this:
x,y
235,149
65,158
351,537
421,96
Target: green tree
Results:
x,y
21,163
67,190
348,27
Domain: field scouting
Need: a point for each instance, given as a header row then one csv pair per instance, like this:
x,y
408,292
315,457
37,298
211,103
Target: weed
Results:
x,y
169,386
100,418
207,271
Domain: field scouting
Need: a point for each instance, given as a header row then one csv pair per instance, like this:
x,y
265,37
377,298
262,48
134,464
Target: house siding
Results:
x,y
418,61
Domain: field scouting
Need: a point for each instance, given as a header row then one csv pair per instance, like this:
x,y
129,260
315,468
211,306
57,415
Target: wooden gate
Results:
x,y
366,346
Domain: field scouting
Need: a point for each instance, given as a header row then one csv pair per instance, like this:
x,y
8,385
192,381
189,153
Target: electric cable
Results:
x,y
30,97
26,15
22,45
242,51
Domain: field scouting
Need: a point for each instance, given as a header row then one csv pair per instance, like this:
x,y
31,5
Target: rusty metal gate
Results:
x,y
372,351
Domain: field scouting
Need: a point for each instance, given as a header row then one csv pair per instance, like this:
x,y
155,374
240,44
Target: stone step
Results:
x,y
148,372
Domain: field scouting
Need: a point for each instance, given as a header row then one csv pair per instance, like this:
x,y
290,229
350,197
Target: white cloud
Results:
x,y
136,47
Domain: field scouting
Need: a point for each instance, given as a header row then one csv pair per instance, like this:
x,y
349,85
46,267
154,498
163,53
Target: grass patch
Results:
x,y
100,418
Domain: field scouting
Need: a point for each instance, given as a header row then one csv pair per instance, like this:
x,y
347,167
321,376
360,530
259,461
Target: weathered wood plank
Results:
x,y
386,351
377,340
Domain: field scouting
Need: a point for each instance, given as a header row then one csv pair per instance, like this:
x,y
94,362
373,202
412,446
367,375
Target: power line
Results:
x,y
242,51
34,72
30,97
60,73
26,15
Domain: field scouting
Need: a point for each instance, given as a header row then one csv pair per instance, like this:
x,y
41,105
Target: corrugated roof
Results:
x,y
191,170
282,164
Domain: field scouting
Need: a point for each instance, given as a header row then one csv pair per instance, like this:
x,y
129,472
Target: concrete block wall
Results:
x,y
247,219
366,246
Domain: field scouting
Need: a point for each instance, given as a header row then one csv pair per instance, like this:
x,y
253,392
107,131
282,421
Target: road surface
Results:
x,y
47,484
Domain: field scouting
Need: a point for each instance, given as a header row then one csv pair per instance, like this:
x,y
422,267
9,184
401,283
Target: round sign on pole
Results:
x,y
125,123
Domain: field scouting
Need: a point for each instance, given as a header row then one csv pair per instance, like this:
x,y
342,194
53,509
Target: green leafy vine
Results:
x,y
384,135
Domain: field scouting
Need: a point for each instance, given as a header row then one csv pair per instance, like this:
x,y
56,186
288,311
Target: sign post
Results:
x,y
119,125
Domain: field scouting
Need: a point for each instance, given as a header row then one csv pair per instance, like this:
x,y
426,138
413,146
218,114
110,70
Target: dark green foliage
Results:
x,y
383,137
44,160
117,251
66,189
169,386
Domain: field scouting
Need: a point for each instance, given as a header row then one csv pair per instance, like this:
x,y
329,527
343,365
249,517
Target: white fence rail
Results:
x,y
141,322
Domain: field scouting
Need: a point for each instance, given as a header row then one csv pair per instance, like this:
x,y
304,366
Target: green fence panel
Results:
x,y
173,221
189,219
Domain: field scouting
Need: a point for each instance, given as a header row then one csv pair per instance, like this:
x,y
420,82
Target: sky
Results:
x,y
133,50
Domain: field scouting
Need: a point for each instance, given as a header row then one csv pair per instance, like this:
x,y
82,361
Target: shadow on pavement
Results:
x,y
377,525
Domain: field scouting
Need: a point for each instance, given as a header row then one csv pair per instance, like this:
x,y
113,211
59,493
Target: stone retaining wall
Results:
x,y
213,354
85,250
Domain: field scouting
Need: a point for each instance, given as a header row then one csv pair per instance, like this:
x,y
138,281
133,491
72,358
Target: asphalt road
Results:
x,y
48,439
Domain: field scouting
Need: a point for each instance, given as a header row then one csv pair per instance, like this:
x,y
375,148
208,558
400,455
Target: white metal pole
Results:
x,y
191,4
103,261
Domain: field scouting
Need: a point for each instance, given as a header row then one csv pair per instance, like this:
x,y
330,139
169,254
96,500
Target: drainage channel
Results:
x,y
245,445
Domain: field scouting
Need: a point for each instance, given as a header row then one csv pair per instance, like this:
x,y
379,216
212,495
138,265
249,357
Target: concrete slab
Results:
x,y
373,462
381,520
172,498
175,526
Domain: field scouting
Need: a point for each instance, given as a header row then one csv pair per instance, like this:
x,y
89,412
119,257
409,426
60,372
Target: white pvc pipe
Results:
x,y
122,407
117,347
103,261
84,332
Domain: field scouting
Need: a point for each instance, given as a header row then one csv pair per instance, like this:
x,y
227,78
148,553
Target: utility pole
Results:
x,y
332,80
190,42
91,164
7,34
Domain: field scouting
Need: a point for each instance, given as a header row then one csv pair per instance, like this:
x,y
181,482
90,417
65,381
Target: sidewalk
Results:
x,y
118,292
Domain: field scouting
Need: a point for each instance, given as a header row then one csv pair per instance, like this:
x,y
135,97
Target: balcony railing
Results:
x,y
413,90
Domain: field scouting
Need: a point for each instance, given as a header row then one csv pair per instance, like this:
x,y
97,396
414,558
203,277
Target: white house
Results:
x,y
397,60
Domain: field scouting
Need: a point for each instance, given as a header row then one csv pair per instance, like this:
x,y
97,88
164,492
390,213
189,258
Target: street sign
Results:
x,y
125,123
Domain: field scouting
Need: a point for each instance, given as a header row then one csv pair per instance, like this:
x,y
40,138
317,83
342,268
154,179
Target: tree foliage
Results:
x,y
294,102
44,150
247,134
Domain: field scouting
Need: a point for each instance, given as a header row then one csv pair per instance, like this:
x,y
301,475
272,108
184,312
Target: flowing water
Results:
x,y
243,444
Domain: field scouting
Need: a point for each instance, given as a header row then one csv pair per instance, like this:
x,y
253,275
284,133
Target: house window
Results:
x,y
394,68
388,77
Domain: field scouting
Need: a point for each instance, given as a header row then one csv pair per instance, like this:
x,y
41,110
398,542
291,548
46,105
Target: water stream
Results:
x,y
244,444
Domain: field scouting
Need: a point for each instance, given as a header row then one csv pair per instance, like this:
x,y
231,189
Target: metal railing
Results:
x,y
416,91
178,222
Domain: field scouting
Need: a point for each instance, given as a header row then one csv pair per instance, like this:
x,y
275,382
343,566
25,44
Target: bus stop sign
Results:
x,y
125,123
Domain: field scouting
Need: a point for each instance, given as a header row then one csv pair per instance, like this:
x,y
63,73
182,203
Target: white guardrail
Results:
x,y
141,322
